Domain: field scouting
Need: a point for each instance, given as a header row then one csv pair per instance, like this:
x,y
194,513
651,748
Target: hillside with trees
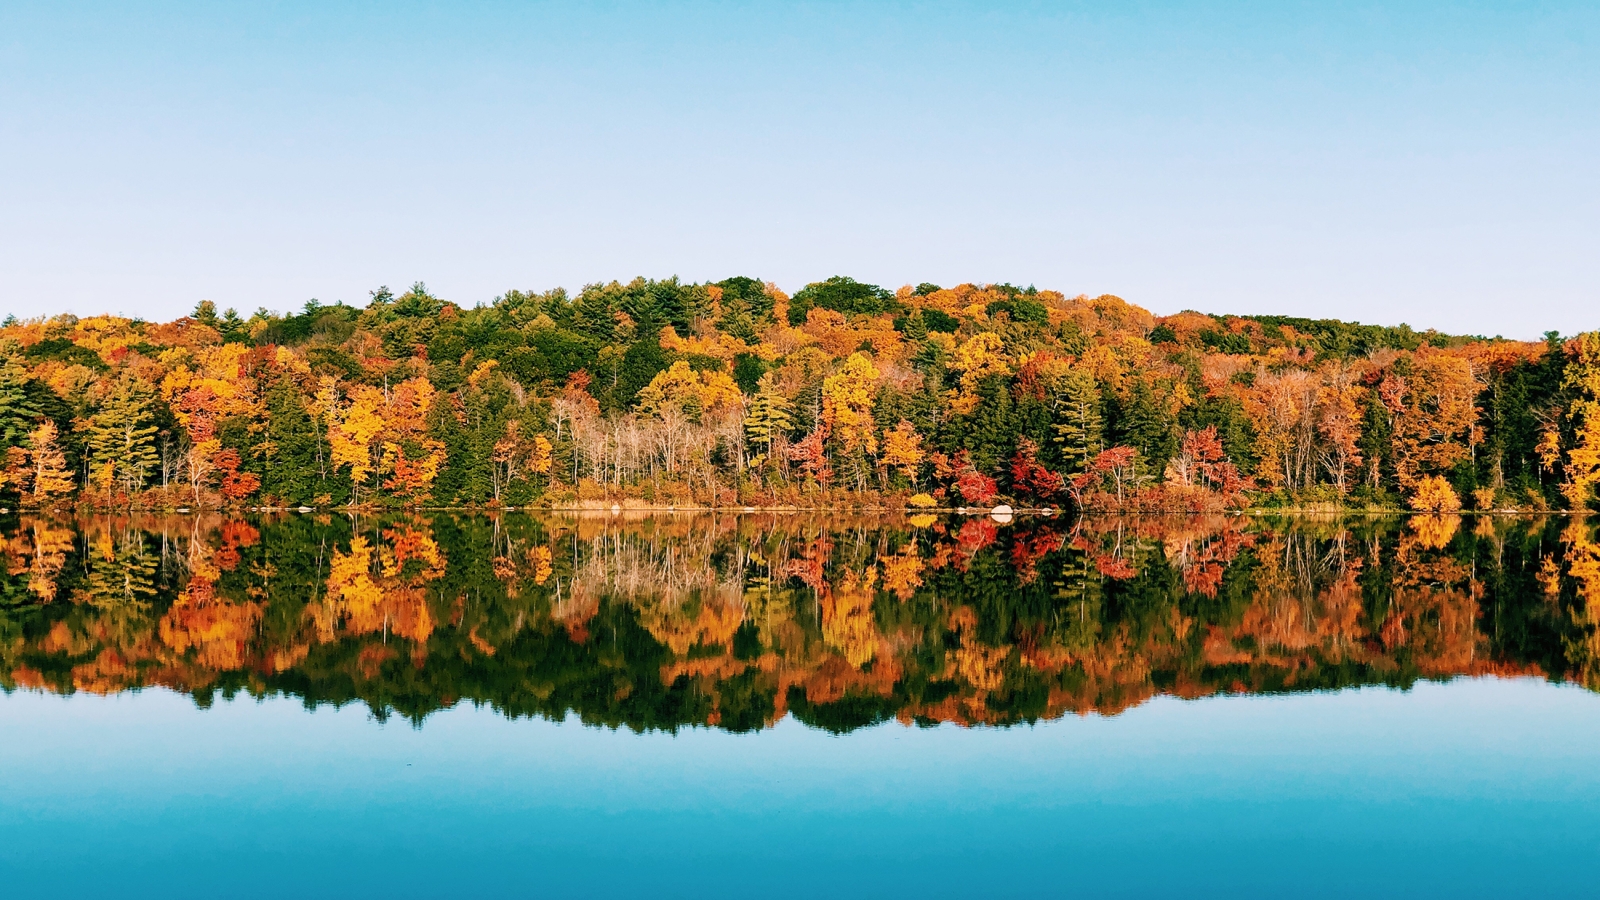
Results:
x,y
734,393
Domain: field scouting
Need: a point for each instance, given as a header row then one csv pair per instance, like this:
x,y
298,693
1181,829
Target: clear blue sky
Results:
x,y
1435,164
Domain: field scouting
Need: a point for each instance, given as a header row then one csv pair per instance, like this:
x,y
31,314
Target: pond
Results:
x,y
691,705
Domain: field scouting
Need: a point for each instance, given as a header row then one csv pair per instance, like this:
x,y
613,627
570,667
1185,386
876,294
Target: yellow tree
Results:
x,y
540,462
847,411
1583,459
847,404
215,388
378,433
677,386
978,358
48,474
1434,494
354,430
902,450
695,394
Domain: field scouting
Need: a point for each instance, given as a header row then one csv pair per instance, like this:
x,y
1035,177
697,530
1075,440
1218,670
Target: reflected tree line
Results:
x,y
734,621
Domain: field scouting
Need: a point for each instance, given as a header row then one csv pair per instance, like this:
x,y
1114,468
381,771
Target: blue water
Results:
x,y
1472,788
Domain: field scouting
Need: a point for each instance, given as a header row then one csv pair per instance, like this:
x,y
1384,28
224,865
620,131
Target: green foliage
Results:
x,y
1227,415
840,294
1139,421
940,321
122,446
748,297
1078,424
991,431
747,371
325,325
1347,340
293,452
617,385
17,411
1019,310
64,350
551,356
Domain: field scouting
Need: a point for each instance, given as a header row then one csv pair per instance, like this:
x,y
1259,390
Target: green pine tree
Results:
x,y
291,473
1079,427
450,486
1142,424
16,411
122,439
770,416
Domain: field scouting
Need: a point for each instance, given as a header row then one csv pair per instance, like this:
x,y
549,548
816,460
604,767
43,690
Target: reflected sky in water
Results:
x,y
1477,787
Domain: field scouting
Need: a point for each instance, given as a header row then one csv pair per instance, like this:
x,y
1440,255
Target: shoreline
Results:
x,y
999,511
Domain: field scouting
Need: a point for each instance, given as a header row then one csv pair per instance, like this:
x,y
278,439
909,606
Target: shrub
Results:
x,y
1434,494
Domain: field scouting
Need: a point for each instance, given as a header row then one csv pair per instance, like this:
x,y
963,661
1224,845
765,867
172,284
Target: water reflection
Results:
x,y
659,622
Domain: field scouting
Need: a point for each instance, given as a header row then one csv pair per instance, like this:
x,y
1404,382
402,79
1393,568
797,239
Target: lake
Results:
x,y
690,705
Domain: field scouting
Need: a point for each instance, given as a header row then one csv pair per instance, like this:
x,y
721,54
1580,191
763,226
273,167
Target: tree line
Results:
x,y
735,393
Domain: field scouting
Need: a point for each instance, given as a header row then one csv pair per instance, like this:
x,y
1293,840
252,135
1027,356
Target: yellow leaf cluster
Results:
x,y
981,356
681,389
902,449
1583,459
847,404
367,434
1435,495
540,461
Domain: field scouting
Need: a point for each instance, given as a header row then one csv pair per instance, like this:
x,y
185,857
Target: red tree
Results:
x,y
1029,477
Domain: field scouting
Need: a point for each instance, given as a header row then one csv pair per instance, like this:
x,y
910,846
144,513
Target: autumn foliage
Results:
x,y
735,393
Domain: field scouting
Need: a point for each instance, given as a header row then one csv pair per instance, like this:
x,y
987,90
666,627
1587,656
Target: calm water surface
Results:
x,y
518,705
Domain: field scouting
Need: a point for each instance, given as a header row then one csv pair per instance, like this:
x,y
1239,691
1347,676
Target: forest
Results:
x,y
735,394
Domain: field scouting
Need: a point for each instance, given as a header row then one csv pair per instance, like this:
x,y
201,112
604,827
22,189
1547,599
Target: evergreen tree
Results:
x,y
291,472
445,427
636,368
1079,427
468,428
488,408
122,445
1141,423
1232,424
232,327
1377,448
17,412
769,417
205,312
